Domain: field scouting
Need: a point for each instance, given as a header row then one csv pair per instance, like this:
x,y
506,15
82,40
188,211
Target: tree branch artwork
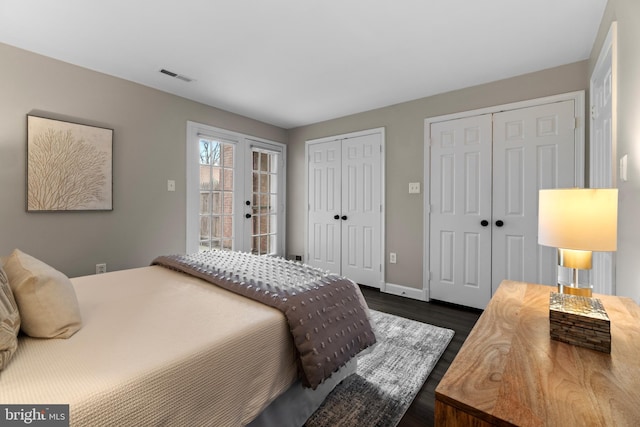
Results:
x,y
69,166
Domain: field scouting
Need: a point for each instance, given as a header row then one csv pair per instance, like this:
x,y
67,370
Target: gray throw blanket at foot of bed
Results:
x,y
327,315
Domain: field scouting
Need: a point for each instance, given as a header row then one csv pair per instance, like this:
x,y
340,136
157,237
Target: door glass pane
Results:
x,y
216,205
264,177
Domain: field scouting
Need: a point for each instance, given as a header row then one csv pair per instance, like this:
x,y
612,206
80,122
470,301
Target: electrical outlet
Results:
x,y
171,185
392,257
414,188
101,268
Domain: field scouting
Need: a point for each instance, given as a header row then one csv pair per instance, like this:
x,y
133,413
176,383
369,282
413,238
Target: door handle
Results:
x,y
344,217
247,215
248,203
484,223
336,216
499,223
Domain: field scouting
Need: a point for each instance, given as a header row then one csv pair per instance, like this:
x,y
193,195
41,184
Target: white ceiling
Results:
x,y
296,62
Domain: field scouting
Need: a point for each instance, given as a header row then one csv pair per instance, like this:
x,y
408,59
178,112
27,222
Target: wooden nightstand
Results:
x,y
509,371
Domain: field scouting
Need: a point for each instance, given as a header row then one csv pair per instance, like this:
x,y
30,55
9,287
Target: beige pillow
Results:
x,y
46,299
9,321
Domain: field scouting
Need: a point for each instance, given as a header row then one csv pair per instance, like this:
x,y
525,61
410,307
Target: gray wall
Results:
x,y
404,124
627,13
149,148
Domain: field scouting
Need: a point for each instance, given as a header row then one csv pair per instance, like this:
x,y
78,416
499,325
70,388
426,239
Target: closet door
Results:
x,y
361,209
325,198
533,149
460,229
485,175
345,219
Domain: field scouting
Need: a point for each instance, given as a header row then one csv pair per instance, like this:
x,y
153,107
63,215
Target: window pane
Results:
x,y
264,245
227,207
228,179
205,203
205,177
205,152
273,188
216,205
273,163
227,155
265,179
264,162
255,246
216,226
215,178
256,160
205,229
227,230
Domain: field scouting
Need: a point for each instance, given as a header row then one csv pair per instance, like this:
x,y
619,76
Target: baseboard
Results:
x,y
405,291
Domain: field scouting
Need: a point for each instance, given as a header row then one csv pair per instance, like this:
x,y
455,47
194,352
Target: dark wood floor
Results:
x,y
460,319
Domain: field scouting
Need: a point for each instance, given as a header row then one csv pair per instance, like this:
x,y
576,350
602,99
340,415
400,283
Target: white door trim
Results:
x,y
603,274
381,132
579,105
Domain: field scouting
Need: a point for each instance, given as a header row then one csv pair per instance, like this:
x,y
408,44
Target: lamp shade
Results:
x,y
578,218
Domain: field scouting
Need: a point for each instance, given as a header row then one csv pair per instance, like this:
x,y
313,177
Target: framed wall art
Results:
x,y
69,166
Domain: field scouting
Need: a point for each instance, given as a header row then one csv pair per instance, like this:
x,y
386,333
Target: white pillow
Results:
x,y
46,299
9,321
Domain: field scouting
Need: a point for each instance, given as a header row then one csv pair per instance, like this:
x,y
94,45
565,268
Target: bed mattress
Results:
x,y
157,347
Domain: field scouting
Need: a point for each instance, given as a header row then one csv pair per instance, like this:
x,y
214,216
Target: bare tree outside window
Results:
x,y
69,166
209,152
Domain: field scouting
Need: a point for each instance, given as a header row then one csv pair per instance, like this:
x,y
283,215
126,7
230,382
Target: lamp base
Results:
x,y
579,321
583,291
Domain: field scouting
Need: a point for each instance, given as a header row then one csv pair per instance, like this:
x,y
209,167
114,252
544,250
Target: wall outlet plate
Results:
x,y
101,268
414,188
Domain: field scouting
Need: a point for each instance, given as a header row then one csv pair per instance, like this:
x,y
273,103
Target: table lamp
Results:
x,y
578,221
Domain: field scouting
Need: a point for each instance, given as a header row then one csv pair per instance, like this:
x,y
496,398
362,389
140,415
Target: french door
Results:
x,y
235,192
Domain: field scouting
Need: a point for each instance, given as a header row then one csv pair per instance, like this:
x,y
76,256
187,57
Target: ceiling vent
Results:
x,y
176,75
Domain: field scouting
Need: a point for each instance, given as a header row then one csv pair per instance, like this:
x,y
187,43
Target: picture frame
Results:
x,y
69,166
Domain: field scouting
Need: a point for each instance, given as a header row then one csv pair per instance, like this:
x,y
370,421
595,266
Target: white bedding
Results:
x,y
157,347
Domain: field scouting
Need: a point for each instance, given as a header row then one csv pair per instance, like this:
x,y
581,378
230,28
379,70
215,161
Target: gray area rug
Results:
x,y
388,378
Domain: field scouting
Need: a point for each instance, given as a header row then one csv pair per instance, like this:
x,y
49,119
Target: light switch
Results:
x,y
414,188
171,185
623,168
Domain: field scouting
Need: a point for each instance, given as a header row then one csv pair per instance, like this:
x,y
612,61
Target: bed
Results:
x,y
161,347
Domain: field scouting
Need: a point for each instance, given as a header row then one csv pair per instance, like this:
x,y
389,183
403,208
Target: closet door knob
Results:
x,y
336,216
247,215
499,223
344,217
484,223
